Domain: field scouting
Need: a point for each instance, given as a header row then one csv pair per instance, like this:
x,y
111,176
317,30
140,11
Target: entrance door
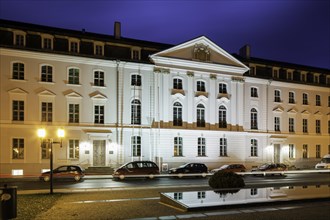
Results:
x,y
99,153
277,148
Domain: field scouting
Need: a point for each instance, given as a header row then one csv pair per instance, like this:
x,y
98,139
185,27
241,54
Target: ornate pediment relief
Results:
x,y
201,52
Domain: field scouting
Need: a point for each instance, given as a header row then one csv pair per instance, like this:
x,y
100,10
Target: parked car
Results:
x,y
135,169
324,163
230,168
271,167
189,168
74,172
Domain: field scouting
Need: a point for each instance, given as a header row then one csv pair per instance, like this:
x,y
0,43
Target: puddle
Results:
x,y
207,199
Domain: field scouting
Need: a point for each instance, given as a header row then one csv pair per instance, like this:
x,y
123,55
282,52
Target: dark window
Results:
x,y
177,114
18,110
135,80
18,71
46,73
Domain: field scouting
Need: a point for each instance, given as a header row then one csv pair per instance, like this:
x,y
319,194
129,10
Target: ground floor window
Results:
x,y
136,146
254,148
201,147
318,151
45,151
291,151
18,148
223,147
305,151
74,149
178,146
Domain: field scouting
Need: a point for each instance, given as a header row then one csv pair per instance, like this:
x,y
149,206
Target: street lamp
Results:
x,y
42,134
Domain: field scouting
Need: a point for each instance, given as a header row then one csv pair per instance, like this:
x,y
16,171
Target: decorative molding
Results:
x,y
190,73
201,52
213,76
238,79
161,70
18,91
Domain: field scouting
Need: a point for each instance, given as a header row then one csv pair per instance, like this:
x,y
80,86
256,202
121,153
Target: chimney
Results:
x,y
245,51
117,31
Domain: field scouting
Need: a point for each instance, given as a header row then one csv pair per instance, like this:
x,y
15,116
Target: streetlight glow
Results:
x,y
41,133
60,133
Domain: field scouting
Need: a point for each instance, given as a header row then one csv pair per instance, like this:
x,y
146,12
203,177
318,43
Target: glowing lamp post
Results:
x,y
50,141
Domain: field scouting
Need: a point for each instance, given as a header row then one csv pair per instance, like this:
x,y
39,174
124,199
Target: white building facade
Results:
x,y
121,100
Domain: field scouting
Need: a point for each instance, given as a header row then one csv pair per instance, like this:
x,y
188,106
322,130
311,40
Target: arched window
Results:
x,y
177,114
136,112
222,117
254,119
200,115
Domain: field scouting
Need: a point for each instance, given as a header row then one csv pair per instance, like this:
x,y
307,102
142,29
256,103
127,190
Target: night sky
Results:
x,y
295,31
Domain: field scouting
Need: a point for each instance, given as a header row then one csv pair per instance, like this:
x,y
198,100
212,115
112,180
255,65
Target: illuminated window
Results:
x,y
74,149
201,147
291,151
136,146
136,112
254,148
178,146
18,148
18,71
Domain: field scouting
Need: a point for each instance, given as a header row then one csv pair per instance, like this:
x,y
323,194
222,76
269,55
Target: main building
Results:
x,y
121,99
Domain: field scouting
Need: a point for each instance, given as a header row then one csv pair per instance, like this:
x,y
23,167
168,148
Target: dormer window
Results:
x,y
303,77
316,78
135,54
74,46
275,74
47,41
19,39
289,75
98,49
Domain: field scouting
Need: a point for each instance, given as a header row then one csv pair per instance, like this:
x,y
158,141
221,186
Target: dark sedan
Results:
x,y
189,168
73,172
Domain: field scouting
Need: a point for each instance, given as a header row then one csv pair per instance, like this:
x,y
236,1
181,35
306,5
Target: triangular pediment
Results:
x,y
293,111
199,53
318,113
305,112
97,96
278,110
73,94
18,91
46,93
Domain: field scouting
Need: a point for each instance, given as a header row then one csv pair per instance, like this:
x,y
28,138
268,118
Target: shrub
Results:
x,y
222,179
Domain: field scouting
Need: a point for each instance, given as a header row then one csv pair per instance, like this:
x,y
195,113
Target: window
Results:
x,y
18,71
98,78
254,92
277,123
222,117
73,113
275,74
254,119
18,148
223,147
136,80
303,77
328,101
318,126
46,73
74,47
200,115
19,40
177,196
254,191
177,114
135,54
305,99
46,112
73,76
99,114
252,71
318,151
254,148
201,195
45,151
200,86
316,78
136,112
328,126
18,110
305,125
177,83
201,147
289,75
318,100
47,43
305,151
74,149
291,151
178,146
291,124
136,146
98,50
277,96
222,88
291,98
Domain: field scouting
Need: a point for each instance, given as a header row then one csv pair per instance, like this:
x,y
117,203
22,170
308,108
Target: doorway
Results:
x,y
98,153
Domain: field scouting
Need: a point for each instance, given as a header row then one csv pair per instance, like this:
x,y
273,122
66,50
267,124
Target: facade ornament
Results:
x,y
190,73
161,70
238,79
213,76
201,52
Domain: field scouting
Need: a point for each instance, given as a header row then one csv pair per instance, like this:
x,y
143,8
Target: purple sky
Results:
x,y
296,31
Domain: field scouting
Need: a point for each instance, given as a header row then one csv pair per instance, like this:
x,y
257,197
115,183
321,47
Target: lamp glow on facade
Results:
x,y
41,133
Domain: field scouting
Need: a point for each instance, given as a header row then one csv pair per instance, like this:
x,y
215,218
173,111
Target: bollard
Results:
x,y
8,202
